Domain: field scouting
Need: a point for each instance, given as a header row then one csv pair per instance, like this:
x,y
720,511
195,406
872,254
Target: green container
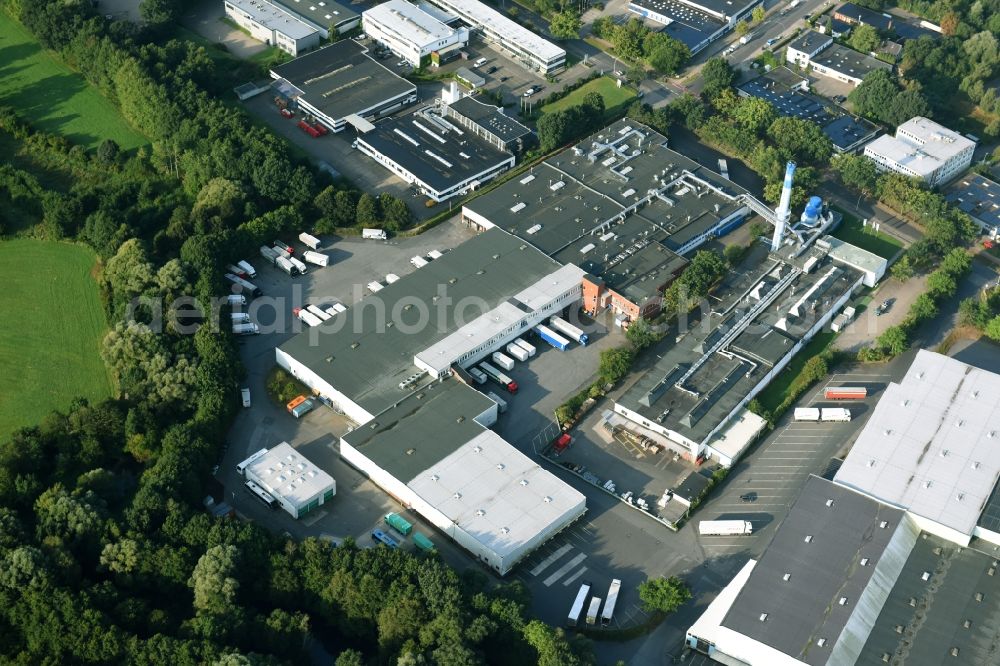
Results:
x,y
398,523
423,543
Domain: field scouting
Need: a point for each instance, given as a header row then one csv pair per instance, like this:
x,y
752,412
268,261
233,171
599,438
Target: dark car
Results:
x,y
748,497
491,70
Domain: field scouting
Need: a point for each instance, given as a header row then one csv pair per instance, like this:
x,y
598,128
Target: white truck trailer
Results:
x,y
375,287
418,261
270,254
835,414
807,414
317,258
517,352
309,241
243,284
501,403
526,346
303,269
239,317
236,299
284,264
237,270
337,307
246,329
594,610
478,375
504,361
319,312
725,528
247,268
577,608
373,234
609,605
568,329
309,318
435,254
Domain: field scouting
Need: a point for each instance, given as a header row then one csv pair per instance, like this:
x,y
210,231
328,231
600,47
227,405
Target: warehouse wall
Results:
x,y
320,386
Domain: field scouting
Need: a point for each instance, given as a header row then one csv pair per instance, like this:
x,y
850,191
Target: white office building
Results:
x,y
294,482
922,149
523,45
273,25
410,32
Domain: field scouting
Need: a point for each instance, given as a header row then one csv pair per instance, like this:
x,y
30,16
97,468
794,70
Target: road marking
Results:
x,y
579,572
550,560
564,569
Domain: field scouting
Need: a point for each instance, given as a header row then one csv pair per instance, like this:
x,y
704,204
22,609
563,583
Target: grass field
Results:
x,y
54,98
851,231
615,98
776,392
50,332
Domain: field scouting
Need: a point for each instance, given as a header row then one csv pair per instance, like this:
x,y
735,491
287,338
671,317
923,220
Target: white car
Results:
x,y
245,394
529,92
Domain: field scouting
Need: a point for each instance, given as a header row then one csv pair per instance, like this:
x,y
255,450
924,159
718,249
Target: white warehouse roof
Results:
x,y
932,444
408,21
507,30
496,494
285,472
274,17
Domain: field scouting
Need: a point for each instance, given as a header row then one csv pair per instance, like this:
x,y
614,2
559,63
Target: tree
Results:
x,y
367,214
108,151
857,172
553,130
213,582
754,113
923,308
758,14
664,594
902,270
874,94
350,657
565,25
641,334
800,140
993,329
893,341
864,38
395,214
906,105
158,11
941,285
669,57
551,645
717,75
742,28
614,364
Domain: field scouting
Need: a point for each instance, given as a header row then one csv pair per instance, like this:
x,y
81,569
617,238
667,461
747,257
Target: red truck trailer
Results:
x,y
845,393
308,129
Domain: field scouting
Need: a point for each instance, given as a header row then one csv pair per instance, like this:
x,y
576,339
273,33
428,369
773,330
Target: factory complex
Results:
x,y
695,23
879,565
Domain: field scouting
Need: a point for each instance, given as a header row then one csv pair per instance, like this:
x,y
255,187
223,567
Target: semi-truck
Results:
x,y
497,376
375,287
239,317
504,361
309,241
551,337
501,403
317,258
236,270
435,254
244,285
835,414
725,528
526,346
247,328
609,604
287,266
308,317
373,234
845,393
517,352
418,261
236,299
569,330
577,608
478,375
269,254
806,414
398,523
303,269
282,247
319,312
592,612
247,268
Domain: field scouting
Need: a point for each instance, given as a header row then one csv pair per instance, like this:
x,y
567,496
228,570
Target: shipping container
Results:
x,y
519,353
423,543
398,523
250,287
246,329
526,346
592,612
303,408
504,361
725,528
319,312
501,403
499,377
577,608
375,287
836,414
418,261
391,277
317,258
303,269
247,268
845,393
478,375
373,234
569,330
609,605
551,337
309,241
806,414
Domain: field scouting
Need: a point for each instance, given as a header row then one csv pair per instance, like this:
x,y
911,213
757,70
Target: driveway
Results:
x,y
205,18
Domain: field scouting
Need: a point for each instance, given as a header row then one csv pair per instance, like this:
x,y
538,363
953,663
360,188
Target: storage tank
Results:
x,y
810,216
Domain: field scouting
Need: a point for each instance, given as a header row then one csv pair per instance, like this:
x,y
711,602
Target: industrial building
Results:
x,y
341,84
524,46
804,47
411,33
420,434
457,309
620,205
818,53
856,15
695,23
433,452
922,149
488,122
894,561
428,151
788,93
291,25
979,197
294,482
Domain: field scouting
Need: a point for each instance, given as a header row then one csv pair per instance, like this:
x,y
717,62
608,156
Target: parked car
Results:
x,y
771,42
491,70
529,92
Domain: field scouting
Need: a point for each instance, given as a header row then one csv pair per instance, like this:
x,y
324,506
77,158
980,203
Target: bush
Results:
x,y
664,594
282,387
614,364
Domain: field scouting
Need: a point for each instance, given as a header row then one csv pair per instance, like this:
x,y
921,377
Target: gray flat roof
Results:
x,y
978,196
864,15
687,25
440,155
930,443
842,527
366,360
274,16
322,12
490,118
342,79
708,7
944,604
809,41
848,61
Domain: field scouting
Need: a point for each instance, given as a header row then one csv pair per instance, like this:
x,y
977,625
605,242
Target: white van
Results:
x,y
245,394
479,63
